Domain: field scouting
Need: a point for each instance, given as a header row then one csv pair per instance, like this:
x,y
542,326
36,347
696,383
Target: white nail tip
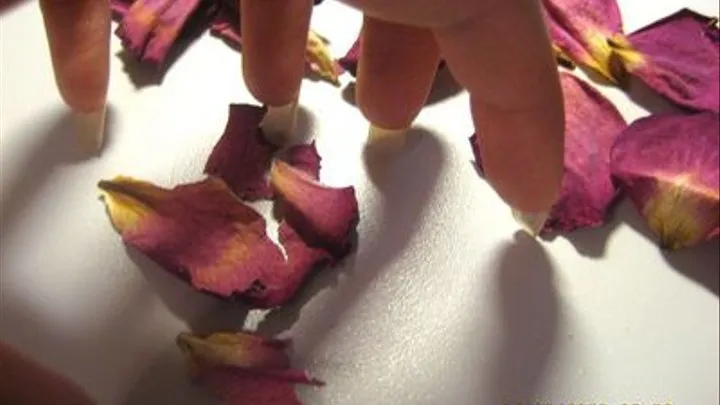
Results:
x,y
90,129
279,123
387,140
531,222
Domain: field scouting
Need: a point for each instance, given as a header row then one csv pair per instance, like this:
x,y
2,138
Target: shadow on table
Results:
x,y
203,313
700,263
406,184
531,322
443,88
55,148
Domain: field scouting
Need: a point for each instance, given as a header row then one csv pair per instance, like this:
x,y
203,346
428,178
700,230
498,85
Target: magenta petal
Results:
x,y
581,29
120,7
304,157
668,165
591,125
242,156
324,216
238,387
682,53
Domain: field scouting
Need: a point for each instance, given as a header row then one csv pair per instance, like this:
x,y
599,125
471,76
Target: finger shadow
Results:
x,y
444,87
202,312
405,186
530,323
54,148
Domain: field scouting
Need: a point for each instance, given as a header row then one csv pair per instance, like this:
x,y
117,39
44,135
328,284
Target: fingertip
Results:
x,y
395,72
274,40
78,35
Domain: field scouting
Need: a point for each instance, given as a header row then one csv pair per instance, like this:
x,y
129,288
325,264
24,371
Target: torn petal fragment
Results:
x,y
324,216
349,62
679,59
668,165
243,155
320,59
591,125
580,29
243,368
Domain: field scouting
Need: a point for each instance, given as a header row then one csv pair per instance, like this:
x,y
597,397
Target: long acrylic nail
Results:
x,y
90,129
532,222
279,123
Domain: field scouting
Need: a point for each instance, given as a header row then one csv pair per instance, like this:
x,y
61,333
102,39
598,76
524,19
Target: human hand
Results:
x,y
497,49
22,381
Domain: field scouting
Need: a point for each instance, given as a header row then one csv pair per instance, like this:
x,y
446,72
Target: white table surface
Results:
x,y
441,304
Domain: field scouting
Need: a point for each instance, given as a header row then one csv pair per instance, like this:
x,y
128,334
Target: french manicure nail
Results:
x,y
532,222
279,123
386,140
90,129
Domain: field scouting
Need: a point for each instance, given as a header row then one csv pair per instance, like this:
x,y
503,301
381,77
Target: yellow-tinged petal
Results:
x,y
318,54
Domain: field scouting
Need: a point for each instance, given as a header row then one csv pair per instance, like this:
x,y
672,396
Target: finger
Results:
x,y
396,68
504,58
78,33
23,381
274,35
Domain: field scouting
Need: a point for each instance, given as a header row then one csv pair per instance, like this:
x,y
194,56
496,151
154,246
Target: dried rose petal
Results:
x,y
580,30
324,216
305,158
668,164
242,368
676,56
591,125
150,28
243,155
349,62
320,59
204,234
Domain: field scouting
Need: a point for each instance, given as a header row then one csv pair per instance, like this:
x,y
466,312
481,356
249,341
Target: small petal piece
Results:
x,y
320,59
242,368
324,216
203,233
678,58
243,155
349,62
668,165
150,28
580,30
591,125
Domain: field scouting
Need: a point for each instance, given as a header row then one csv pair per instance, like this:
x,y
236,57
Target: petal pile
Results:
x,y
591,125
205,234
678,58
668,165
151,29
243,368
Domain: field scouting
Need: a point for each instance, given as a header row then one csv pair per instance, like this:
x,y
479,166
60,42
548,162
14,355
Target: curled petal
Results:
x,y
324,216
678,59
349,62
320,59
243,155
668,165
591,125
236,349
580,30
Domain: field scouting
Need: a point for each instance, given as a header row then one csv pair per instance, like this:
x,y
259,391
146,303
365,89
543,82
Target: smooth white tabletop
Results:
x,y
441,304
